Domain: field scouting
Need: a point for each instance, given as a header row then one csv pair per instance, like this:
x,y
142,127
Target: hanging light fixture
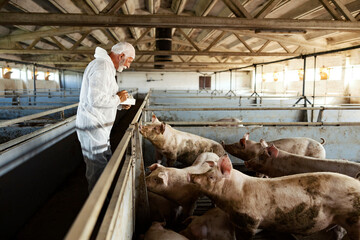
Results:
x,y
36,74
301,74
324,73
276,76
6,72
47,75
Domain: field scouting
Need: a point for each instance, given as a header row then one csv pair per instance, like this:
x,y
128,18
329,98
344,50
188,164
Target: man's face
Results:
x,y
124,62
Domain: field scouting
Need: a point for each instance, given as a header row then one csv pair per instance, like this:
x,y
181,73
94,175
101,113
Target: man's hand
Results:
x,y
126,107
123,95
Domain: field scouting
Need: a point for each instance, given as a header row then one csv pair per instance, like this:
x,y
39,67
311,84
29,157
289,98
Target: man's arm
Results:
x,y
96,94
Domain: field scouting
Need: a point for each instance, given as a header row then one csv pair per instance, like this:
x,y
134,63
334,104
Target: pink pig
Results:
x,y
247,149
275,163
299,204
177,145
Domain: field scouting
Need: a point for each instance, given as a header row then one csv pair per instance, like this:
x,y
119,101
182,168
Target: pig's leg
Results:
x,y
170,162
187,210
245,226
158,156
353,230
243,234
353,233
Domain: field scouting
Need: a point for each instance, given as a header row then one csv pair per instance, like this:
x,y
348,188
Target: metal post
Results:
x,y
34,77
312,112
254,93
230,91
215,91
304,78
303,90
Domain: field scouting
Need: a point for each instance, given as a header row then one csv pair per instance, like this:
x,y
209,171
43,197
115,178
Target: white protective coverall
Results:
x,y
96,113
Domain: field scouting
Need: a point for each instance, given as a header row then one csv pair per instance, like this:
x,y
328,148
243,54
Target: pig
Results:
x,y
275,163
177,145
299,204
213,225
158,232
163,210
247,149
172,183
232,120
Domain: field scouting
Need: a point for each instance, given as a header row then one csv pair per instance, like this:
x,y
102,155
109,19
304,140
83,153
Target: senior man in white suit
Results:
x,y
99,101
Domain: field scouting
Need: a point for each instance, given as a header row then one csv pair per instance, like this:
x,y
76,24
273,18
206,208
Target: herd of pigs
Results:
x,y
302,193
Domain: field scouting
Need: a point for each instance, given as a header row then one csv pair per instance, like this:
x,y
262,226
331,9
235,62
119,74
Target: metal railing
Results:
x,y
37,115
119,219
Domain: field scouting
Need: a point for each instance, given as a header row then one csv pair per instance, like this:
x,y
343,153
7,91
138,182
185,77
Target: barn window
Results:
x,y
204,82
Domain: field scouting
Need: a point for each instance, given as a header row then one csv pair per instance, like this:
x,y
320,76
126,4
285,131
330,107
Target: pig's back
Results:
x,y
190,146
301,146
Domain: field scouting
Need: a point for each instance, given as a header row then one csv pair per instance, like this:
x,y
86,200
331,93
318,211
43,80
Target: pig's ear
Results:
x,y
153,167
154,118
357,176
246,136
211,163
242,142
164,177
273,151
225,165
162,128
263,143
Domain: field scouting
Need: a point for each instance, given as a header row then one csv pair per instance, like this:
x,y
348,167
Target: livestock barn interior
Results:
x,y
228,71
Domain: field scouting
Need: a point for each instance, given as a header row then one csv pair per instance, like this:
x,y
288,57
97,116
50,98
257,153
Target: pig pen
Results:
x,y
118,206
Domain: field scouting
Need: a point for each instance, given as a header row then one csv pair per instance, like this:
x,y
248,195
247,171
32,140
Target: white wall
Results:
x,y
182,81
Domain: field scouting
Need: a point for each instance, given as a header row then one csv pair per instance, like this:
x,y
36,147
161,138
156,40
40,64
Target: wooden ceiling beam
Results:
x,y
237,9
62,47
267,8
344,38
44,33
284,47
216,40
288,40
113,7
330,9
243,42
177,6
185,53
189,39
3,3
83,6
152,6
343,9
33,44
109,36
168,21
141,37
263,46
80,40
